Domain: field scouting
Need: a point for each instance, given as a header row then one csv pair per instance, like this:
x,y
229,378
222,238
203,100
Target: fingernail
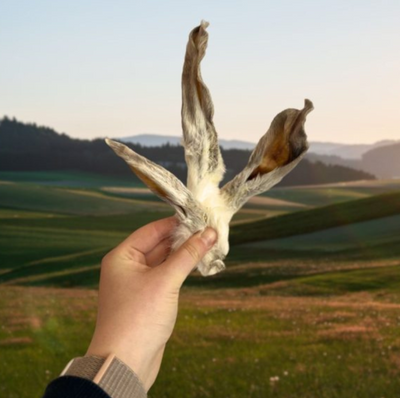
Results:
x,y
209,237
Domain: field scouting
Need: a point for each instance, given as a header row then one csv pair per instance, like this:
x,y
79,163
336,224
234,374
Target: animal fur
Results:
x,y
203,203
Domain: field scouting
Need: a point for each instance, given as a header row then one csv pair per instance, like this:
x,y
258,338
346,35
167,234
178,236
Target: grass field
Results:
x,y
358,235
311,294
320,218
66,179
230,342
334,193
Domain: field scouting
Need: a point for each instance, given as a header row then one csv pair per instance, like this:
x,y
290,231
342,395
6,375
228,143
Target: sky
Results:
x,y
113,68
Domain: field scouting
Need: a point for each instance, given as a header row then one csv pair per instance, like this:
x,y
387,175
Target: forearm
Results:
x,y
138,304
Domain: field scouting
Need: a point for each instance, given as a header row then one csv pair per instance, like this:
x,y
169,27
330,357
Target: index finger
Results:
x,y
148,237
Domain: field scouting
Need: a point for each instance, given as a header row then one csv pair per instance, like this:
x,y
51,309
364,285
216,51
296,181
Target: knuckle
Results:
x,y
192,250
107,259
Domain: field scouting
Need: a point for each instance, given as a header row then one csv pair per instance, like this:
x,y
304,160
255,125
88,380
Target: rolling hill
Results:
x,y
56,236
383,162
317,219
301,307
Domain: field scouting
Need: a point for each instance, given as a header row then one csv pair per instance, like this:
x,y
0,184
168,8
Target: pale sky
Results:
x,y
112,68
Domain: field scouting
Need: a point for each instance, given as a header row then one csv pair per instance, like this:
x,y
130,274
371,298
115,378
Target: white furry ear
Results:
x,y
160,181
200,140
276,154
202,203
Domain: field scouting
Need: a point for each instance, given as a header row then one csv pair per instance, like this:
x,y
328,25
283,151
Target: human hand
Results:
x,y
138,295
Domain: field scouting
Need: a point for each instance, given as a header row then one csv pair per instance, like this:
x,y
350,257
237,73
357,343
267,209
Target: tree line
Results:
x,y
29,147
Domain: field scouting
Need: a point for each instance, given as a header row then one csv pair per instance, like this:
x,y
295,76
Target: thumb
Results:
x,y
182,261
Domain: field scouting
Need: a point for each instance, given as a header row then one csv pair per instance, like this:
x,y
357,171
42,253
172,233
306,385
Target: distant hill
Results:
x,y
383,162
29,147
335,160
369,158
159,140
345,151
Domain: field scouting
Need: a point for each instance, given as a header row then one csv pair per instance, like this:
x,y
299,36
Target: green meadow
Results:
x,y
309,306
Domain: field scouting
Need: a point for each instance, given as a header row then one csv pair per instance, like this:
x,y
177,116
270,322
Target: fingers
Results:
x,y
159,253
148,237
180,263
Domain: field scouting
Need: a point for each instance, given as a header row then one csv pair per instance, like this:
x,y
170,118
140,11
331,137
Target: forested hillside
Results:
x,y
29,147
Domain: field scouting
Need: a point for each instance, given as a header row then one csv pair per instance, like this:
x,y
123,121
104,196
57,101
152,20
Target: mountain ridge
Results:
x,y
29,147
345,151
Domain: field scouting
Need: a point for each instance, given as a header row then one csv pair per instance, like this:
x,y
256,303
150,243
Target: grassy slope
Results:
x,y
17,214
385,279
74,245
316,196
318,219
327,325
53,250
23,246
72,239
64,201
354,236
320,195
66,179
119,222
226,343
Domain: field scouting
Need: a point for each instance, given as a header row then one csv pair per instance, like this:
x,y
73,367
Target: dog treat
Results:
x,y
203,203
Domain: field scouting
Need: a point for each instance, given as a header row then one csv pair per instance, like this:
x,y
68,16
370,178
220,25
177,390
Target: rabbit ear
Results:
x,y
276,154
159,180
202,153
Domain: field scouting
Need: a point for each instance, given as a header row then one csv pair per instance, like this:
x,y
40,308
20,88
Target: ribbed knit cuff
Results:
x,y
77,387
119,381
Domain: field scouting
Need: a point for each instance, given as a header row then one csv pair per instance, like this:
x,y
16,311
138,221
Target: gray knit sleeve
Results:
x,y
119,381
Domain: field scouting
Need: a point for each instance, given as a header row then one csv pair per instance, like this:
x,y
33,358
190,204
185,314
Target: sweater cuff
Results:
x,y
118,380
71,386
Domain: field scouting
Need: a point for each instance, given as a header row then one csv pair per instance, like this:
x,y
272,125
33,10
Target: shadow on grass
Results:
x,y
360,252
87,278
58,264
238,279
351,281
320,284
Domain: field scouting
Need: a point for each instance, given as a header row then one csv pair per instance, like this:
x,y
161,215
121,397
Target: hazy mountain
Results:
x,y
29,147
345,151
334,160
324,148
383,162
159,140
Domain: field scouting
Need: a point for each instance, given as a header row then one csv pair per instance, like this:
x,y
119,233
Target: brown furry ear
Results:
x,y
275,155
159,180
284,142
